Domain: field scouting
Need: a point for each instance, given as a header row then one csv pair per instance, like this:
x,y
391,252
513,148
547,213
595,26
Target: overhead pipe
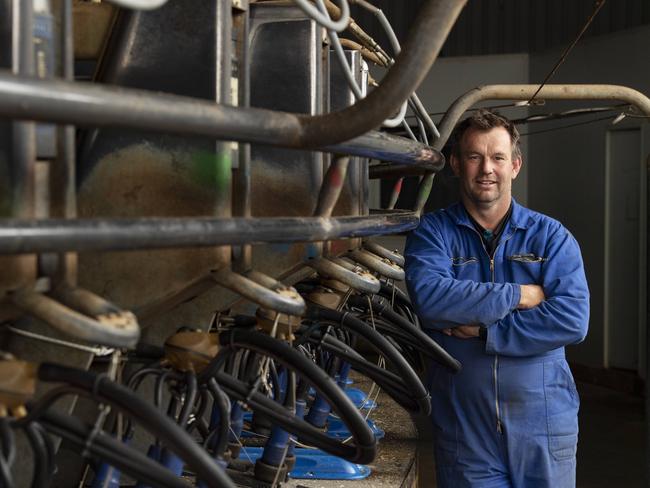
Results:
x,y
82,235
524,92
101,106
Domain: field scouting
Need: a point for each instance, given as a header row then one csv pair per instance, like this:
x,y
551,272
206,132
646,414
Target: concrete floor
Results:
x,y
611,449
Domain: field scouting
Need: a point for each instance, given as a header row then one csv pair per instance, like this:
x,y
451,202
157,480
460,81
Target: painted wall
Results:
x,y
567,167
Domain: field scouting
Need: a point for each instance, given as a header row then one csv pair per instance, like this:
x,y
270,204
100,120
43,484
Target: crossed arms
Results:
x,y
521,319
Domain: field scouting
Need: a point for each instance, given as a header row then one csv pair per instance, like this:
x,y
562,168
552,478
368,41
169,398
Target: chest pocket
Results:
x,y
526,266
465,267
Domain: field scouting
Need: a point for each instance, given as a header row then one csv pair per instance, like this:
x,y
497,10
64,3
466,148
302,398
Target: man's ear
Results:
x,y
455,164
516,166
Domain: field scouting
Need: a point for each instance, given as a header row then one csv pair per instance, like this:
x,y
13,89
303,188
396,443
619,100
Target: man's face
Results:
x,y
486,167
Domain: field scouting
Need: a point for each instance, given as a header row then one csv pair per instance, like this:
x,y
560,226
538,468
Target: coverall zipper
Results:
x,y
496,356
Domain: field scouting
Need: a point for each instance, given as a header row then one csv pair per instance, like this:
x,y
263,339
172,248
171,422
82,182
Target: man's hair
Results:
x,y
486,120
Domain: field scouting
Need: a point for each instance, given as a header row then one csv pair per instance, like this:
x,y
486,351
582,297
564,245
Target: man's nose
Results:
x,y
487,166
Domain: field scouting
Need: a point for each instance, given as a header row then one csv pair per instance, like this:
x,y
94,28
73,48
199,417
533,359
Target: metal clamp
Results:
x,y
381,251
347,273
377,264
82,315
263,290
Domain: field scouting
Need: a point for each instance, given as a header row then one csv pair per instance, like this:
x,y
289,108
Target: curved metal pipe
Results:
x,y
350,275
58,235
282,299
67,102
383,252
374,263
524,92
115,329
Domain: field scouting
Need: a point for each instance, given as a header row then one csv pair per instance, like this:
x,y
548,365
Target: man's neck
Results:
x,y
487,217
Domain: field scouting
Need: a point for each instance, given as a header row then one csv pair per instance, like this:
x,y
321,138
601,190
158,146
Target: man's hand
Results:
x,y
462,331
531,296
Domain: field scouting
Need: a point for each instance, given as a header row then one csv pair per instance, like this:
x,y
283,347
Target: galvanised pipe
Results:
x,y
59,235
524,92
66,102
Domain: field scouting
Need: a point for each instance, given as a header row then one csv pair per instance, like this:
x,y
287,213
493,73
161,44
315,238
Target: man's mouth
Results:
x,y
485,183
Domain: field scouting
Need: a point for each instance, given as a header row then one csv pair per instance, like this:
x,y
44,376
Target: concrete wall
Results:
x,y
567,167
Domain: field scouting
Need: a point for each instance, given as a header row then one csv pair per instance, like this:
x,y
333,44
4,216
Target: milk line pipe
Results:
x,y
524,92
22,236
69,102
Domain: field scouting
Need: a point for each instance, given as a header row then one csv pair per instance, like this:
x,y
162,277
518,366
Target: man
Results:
x,y
503,289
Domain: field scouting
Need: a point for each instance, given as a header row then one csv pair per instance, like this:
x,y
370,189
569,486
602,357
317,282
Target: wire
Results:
x,y
96,350
599,5
609,117
323,19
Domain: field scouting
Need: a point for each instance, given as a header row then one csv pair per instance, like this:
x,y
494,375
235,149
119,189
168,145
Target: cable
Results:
x,y
599,5
324,19
610,117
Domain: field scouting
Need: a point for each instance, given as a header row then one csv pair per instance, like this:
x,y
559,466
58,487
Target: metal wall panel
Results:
x,y
354,194
182,48
286,73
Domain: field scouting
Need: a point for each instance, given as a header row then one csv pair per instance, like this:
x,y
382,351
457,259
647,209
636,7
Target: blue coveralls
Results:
x,y
510,417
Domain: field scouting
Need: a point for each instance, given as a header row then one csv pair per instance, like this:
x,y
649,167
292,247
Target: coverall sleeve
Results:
x,y
561,319
439,299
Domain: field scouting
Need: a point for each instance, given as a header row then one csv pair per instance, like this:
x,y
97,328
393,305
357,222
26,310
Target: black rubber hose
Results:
x,y
416,389
426,344
389,382
114,452
363,447
147,415
40,455
191,389
6,478
8,441
222,402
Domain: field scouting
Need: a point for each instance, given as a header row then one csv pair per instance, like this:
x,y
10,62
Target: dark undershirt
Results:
x,y
490,239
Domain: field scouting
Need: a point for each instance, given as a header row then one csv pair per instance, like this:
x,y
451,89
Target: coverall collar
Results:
x,y
519,219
